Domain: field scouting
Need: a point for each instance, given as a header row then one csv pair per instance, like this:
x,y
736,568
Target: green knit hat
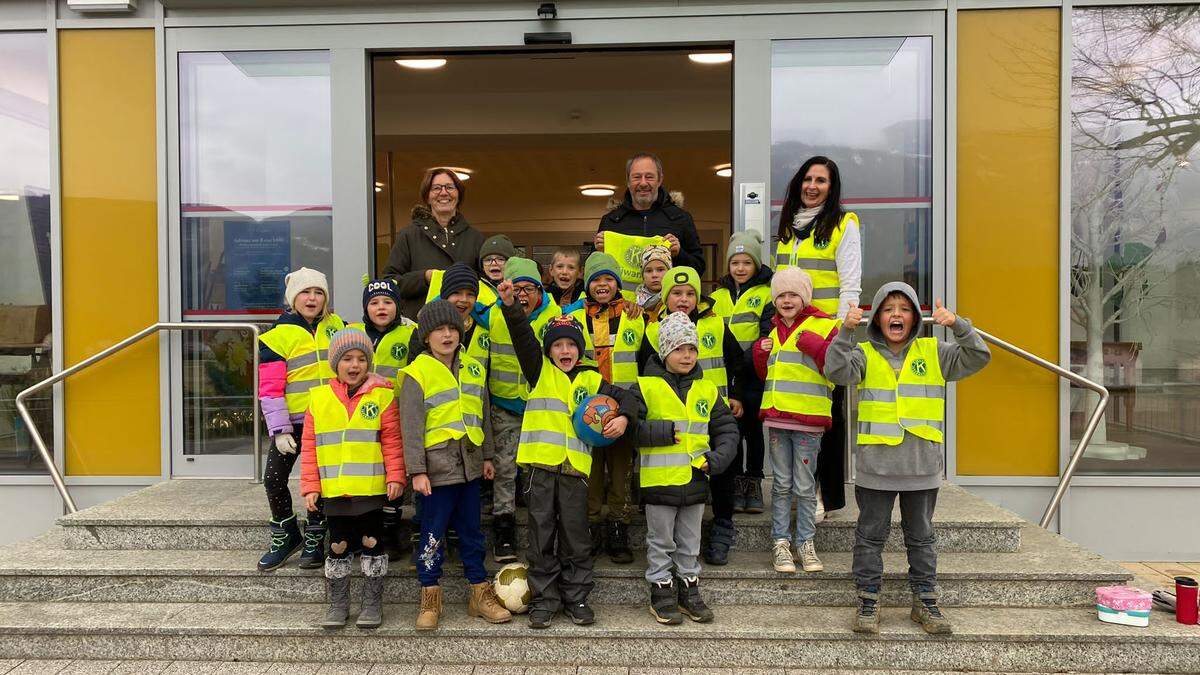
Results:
x,y
599,263
517,269
680,276
749,242
498,244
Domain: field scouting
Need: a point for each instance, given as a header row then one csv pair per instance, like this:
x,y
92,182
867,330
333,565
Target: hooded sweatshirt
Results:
x,y
916,463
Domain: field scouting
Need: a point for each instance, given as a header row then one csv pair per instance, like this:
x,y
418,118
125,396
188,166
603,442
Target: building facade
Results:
x,y
1029,162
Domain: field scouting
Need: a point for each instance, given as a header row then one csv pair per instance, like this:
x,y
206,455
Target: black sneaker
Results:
x,y
664,606
580,613
540,618
690,602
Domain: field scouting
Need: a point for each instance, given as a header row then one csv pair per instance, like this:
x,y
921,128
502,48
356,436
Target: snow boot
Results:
x,y
664,605
337,580
690,602
285,539
313,555
720,539
504,538
374,568
754,496
739,494
618,543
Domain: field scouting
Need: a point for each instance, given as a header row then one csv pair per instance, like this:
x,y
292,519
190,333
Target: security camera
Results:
x,y
547,11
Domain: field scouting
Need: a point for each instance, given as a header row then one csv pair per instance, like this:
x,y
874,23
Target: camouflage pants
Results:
x,y
506,433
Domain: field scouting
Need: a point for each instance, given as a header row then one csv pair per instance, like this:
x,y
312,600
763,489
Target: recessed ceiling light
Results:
x,y
710,58
421,64
378,184
378,189
597,190
9,198
724,170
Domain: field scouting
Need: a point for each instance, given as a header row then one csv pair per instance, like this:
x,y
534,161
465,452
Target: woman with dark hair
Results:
x,y
438,237
817,235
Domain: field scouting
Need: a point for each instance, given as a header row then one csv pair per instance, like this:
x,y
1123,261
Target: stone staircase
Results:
x,y
167,573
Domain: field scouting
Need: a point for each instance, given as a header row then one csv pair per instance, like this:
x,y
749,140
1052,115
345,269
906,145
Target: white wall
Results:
x,y
32,509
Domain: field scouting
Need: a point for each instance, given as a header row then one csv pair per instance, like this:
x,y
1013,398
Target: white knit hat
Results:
x,y
674,331
301,279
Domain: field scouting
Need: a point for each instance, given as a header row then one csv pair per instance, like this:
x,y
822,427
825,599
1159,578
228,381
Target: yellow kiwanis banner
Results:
x,y
627,249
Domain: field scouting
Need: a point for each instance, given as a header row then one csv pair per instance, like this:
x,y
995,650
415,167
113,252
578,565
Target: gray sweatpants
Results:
x,y
672,541
506,432
874,524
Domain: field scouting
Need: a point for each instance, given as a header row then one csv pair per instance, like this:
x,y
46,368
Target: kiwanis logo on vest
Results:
x,y
399,351
702,408
919,367
474,369
709,340
628,337
755,302
330,331
820,245
369,410
579,395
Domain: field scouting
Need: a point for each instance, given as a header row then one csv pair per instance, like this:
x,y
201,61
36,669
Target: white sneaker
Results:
x,y
819,514
808,557
782,556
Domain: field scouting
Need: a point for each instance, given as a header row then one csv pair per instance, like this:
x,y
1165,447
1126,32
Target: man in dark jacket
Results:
x,y
648,210
681,409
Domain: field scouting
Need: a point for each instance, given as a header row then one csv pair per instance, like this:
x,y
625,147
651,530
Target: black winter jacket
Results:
x,y
722,432
663,218
424,245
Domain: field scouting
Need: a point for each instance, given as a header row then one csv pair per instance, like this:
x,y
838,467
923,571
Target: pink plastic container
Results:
x,y
1123,605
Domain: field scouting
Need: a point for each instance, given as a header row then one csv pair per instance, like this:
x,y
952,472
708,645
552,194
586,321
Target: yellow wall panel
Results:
x,y
1008,235
110,248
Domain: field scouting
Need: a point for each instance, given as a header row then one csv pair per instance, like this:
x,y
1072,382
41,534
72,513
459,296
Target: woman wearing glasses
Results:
x,y
438,237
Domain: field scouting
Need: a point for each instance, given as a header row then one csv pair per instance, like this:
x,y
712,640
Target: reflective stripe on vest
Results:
x,y
627,249
794,382
485,296
887,406
391,354
453,405
742,316
711,332
307,358
547,432
625,345
349,453
672,464
505,379
819,262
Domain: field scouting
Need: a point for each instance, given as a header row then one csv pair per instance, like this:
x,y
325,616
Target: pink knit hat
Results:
x,y
795,280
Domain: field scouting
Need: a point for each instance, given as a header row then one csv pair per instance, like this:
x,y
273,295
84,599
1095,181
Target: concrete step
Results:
x,y
232,514
998,640
1048,571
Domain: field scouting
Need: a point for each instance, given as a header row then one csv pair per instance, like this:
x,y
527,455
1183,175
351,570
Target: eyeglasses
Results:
x,y
529,289
443,188
494,260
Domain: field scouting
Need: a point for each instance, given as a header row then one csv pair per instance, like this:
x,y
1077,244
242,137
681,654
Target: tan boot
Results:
x,y
484,603
431,608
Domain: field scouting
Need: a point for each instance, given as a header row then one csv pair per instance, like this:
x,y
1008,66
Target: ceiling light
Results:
x,y
710,58
9,198
421,64
597,190
463,174
724,170
378,189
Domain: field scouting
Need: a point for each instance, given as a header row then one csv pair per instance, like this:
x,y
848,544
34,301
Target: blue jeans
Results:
x,y
454,506
794,468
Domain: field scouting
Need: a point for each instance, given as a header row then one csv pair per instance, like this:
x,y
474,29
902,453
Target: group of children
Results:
x,y
485,382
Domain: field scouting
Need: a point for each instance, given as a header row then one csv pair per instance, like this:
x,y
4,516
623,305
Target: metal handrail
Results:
x,y
55,474
1064,480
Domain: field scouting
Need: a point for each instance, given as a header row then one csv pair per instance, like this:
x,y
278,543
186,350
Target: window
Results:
x,y
256,201
1135,234
25,295
867,105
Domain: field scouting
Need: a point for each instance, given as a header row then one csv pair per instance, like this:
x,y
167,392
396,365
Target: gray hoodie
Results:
x,y
915,464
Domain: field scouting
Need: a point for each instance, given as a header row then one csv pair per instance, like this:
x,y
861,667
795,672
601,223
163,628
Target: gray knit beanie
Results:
x,y
348,339
437,314
674,331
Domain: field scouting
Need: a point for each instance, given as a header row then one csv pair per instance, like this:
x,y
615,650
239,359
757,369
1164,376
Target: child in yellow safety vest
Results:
x,y
563,278
292,361
656,260
390,335
901,382
797,409
556,462
352,458
685,433
448,450
612,333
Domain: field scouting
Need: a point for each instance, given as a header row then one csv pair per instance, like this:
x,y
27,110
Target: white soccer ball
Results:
x,y
512,587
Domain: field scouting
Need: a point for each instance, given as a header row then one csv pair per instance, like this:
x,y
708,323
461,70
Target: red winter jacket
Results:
x,y
389,436
808,342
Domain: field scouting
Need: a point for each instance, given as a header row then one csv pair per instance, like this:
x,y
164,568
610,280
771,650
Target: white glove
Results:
x,y
285,444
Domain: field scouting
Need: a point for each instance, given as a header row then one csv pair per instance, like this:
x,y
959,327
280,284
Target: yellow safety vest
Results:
x,y
711,332
547,431
453,405
819,262
505,379
887,406
627,249
349,452
625,345
307,356
742,316
672,464
486,295
794,383
392,352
